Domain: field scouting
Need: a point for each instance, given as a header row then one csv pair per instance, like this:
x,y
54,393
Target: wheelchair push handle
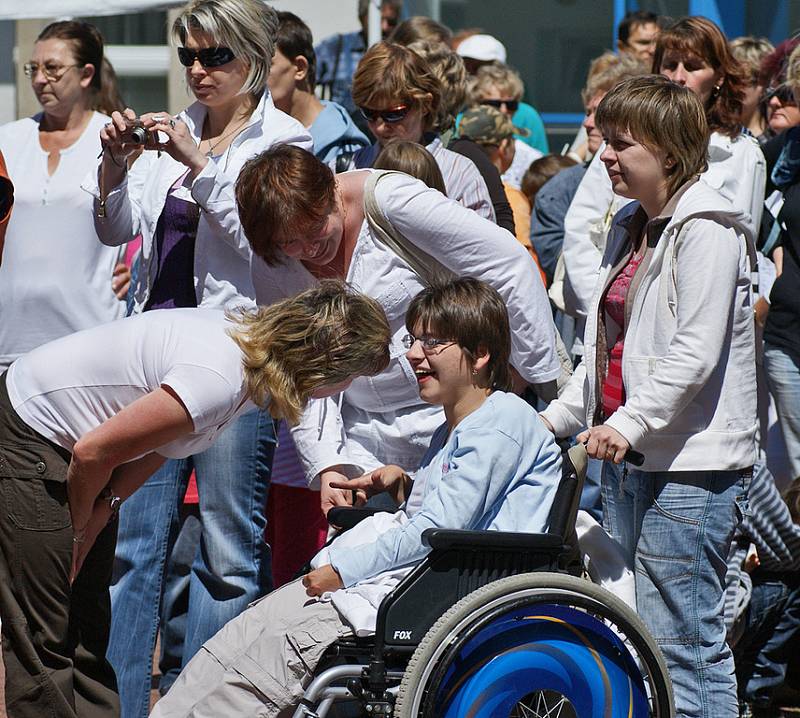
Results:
x,y
634,457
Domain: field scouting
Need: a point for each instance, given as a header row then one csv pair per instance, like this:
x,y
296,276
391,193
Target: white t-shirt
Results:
x,y
56,275
70,386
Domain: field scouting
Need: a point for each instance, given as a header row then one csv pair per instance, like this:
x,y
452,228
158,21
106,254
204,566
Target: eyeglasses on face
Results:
x,y
430,345
52,71
512,105
390,116
783,93
208,56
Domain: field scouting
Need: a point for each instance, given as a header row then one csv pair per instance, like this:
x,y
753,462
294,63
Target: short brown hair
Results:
x,y
663,116
699,37
392,73
542,170
283,192
420,27
317,338
471,313
413,159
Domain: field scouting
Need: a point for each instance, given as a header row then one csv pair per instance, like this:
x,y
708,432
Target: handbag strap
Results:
x,y
429,270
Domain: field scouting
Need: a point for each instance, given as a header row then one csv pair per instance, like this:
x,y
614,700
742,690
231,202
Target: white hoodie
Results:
x,y
688,365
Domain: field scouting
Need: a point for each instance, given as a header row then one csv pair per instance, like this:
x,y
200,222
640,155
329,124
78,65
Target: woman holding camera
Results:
x,y
179,195
56,278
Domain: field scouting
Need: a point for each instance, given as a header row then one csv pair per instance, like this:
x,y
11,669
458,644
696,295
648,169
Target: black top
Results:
x,y
783,321
504,217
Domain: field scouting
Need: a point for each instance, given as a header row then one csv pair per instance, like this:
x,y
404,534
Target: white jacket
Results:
x,y
736,169
222,252
381,420
688,365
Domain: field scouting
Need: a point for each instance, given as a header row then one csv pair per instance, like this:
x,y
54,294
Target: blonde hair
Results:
x,y
248,27
605,72
414,160
662,116
320,337
750,51
448,67
500,76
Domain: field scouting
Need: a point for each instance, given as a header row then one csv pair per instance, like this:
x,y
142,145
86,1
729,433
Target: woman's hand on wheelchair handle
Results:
x,y
322,580
604,443
331,496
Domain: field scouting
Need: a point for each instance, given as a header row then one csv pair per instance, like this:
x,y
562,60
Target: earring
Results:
x,y
716,90
474,372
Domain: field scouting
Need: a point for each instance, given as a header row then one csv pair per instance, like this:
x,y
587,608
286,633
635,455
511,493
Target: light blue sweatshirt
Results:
x,y
498,470
334,132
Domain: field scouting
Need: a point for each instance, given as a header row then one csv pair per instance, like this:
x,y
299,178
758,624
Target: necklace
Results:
x,y
237,129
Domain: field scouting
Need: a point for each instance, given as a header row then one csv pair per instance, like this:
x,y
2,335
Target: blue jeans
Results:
x,y
676,528
783,379
773,622
231,565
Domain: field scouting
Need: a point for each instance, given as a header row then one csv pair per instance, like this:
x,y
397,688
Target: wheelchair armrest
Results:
x,y
453,539
345,517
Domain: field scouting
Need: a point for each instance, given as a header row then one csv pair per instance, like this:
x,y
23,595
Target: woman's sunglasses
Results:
x,y
512,105
783,93
396,114
208,56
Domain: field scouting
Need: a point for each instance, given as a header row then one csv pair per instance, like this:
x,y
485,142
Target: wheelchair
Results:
x,y
497,625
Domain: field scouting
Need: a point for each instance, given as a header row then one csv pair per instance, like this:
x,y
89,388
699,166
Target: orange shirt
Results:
x,y
521,209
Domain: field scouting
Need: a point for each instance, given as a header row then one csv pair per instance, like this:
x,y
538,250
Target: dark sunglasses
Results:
x,y
396,114
512,105
208,56
783,92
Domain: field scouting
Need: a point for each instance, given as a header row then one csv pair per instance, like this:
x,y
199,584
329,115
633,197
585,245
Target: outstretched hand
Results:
x,y
390,479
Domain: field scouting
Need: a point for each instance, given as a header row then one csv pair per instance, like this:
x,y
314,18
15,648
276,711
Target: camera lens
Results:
x,y
139,135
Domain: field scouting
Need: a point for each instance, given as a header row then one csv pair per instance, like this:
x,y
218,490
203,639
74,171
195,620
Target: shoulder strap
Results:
x,y
430,270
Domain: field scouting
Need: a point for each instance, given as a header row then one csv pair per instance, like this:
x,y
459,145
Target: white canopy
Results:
x,y
24,9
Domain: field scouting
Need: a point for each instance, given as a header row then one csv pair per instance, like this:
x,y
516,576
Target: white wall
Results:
x,y
324,17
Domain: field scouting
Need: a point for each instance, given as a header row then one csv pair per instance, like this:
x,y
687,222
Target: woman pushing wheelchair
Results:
x,y
492,465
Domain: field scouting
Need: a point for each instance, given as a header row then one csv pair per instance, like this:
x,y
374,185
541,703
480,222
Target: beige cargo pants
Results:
x,y
259,663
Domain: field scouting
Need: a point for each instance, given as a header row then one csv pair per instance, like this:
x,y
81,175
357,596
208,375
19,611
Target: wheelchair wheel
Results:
x,y
536,645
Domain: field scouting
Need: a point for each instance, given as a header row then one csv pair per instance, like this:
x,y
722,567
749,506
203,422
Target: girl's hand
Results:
x,y
331,496
322,580
604,443
391,479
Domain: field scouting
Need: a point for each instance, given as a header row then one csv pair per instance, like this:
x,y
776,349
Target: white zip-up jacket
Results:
x,y
736,169
222,252
688,364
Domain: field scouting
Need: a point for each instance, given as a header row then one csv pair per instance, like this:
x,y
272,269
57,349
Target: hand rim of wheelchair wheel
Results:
x,y
466,619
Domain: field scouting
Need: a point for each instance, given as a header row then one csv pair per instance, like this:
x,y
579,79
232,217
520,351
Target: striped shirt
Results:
x,y
769,527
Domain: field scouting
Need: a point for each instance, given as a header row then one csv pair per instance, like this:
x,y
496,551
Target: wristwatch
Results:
x,y
110,497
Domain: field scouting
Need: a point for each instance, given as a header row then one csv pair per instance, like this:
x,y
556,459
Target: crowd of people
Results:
x,y
350,272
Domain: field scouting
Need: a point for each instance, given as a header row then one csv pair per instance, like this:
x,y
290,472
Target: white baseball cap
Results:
x,y
482,47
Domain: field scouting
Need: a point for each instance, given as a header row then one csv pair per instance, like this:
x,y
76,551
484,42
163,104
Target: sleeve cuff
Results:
x,y
562,420
631,429
203,184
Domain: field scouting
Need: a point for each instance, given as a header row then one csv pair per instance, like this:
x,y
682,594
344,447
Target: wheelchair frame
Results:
x,y
459,563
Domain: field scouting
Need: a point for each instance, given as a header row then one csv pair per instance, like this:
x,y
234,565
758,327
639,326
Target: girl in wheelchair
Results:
x,y
491,466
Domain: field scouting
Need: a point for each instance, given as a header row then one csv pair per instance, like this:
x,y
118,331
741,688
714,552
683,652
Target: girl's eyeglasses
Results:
x,y
430,345
512,105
